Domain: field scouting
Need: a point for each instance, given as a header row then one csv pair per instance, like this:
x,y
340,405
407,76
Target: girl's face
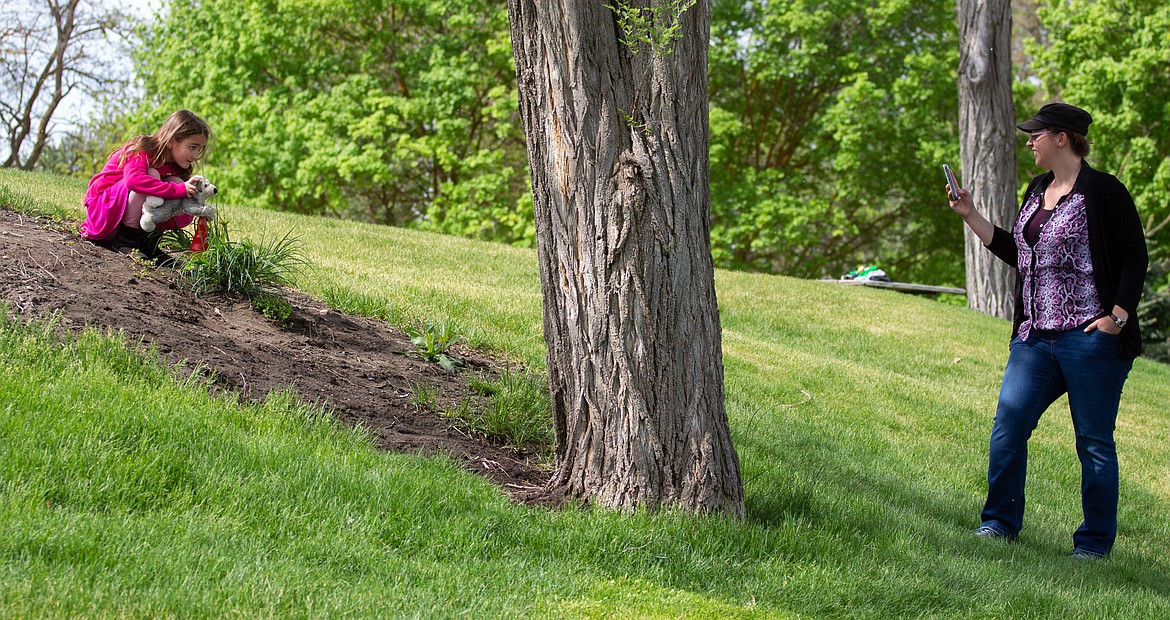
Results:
x,y
187,151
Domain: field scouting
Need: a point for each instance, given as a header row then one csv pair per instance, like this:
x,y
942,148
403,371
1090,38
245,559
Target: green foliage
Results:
x,y
395,112
243,267
829,121
433,342
1111,58
517,411
655,27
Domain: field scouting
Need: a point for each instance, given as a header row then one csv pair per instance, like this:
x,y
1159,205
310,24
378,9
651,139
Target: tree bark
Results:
x,y
617,144
987,144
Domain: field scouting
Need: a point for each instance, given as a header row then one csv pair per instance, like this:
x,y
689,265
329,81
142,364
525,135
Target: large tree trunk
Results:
x,y
617,143
987,143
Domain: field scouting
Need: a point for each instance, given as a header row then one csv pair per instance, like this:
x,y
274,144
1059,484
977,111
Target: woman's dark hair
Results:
x,y
1080,144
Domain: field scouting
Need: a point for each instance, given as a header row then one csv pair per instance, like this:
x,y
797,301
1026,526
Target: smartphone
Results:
x,y
954,186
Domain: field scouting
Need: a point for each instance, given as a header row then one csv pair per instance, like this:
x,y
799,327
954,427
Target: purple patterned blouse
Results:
x,y
1057,271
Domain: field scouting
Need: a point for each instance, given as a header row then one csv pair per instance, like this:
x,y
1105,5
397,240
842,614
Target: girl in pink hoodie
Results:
x,y
158,164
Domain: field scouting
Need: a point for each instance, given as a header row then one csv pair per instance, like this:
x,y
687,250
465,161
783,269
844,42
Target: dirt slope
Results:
x,y
356,367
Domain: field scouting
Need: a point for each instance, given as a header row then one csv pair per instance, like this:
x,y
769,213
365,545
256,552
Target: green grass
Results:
x,y
861,418
243,267
42,194
517,412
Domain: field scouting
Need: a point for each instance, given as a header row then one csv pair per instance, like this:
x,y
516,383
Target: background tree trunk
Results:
x,y
987,143
617,143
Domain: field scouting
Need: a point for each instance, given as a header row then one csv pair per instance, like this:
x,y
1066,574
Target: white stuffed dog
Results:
x,y
156,209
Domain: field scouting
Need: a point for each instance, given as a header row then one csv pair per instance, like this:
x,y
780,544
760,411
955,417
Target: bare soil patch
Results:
x,y
358,368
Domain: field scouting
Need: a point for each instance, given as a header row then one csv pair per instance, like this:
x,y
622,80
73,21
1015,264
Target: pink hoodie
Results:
x,y
105,200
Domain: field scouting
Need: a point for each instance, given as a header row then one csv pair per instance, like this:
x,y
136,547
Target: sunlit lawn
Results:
x,y
861,419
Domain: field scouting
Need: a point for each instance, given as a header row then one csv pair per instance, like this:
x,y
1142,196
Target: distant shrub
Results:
x,y
1154,308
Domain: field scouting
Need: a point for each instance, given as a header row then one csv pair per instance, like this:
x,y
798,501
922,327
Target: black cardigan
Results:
x,y
1117,246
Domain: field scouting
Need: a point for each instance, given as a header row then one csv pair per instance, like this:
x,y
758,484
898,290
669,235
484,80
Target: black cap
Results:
x,y
1061,116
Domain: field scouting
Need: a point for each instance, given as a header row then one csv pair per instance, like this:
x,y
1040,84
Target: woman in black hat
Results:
x,y
1080,253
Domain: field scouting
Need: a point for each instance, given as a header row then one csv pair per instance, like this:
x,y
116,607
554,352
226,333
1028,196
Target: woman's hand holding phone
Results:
x,y
960,198
964,207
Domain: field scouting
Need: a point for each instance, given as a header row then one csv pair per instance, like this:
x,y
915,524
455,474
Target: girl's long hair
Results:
x,y
178,127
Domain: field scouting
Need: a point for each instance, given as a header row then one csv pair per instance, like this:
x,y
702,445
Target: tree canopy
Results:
x,y
830,121
1111,58
398,112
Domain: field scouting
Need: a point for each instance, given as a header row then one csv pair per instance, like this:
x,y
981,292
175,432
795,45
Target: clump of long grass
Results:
x,y
515,409
245,267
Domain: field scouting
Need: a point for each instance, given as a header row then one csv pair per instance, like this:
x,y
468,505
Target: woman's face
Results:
x,y
188,150
1042,143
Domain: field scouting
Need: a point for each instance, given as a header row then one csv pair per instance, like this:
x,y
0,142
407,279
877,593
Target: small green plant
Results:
x,y
655,27
243,267
632,123
142,266
433,342
275,307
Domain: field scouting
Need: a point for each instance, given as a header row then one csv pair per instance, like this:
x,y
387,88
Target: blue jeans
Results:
x,y
1049,364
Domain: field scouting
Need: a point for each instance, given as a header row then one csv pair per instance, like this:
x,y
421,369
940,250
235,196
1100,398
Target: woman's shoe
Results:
x,y
990,533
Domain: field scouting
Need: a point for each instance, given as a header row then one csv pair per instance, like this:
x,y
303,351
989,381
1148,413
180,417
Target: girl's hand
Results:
x,y
191,189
